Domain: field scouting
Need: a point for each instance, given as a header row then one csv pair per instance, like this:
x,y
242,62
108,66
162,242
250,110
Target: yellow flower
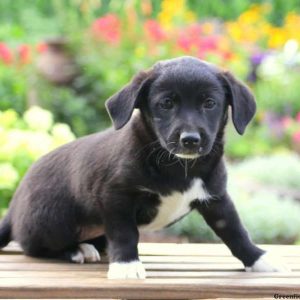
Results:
x,y
291,26
224,44
277,37
234,30
249,16
208,28
189,16
174,11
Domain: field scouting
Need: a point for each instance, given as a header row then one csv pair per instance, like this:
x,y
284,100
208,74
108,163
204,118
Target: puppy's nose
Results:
x,y
190,140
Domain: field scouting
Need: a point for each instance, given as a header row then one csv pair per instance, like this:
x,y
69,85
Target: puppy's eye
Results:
x,y
166,103
209,104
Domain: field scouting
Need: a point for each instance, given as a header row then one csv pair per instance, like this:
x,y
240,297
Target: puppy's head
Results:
x,y
185,101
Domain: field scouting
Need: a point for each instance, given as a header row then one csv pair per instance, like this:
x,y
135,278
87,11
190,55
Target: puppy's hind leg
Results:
x,y
82,253
99,242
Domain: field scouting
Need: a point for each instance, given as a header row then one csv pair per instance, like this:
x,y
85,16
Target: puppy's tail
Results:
x,y
5,231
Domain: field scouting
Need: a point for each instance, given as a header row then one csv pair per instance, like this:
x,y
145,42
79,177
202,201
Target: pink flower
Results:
x,y
190,38
154,31
41,47
296,137
108,29
209,43
286,121
5,54
298,117
24,54
184,43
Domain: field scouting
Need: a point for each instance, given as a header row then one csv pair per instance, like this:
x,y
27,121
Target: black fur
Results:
x,y
114,179
5,234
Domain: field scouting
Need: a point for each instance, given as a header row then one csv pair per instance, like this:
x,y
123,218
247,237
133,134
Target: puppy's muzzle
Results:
x,y
190,141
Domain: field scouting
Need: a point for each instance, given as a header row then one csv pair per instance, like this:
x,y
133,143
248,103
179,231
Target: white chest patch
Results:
x,y
176,205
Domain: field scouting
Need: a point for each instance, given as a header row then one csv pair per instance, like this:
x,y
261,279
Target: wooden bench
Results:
x,y
175,271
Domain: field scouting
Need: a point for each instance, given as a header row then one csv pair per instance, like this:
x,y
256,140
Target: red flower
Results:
x,y
107,28
227,55
24,54
5,54
41,47
190,37
154,31
296,137
193,38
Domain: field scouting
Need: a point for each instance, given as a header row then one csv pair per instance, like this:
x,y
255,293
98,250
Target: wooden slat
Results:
x,y
166,249
188,271
147,289
150,274
207,249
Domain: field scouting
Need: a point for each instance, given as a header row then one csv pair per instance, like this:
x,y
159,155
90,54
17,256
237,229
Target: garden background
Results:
x,y
61,59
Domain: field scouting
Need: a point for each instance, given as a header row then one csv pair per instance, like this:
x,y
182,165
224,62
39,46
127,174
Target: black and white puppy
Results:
x,y
158,164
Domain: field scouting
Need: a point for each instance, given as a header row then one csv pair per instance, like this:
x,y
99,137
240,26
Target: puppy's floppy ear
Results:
x,y
120,106
241,100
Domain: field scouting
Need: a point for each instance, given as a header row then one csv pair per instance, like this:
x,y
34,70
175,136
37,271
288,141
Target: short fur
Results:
x,y
115,179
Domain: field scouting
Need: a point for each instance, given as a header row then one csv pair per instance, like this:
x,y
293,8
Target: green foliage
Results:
x,y
265,216
13,89
83,110
23,140
232,9
263,213
256,141
269,92
282,170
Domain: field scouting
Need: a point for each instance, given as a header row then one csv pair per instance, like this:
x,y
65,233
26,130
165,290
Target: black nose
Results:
x,y
190,140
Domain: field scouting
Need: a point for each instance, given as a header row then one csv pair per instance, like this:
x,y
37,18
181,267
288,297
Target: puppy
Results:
x,y
153,168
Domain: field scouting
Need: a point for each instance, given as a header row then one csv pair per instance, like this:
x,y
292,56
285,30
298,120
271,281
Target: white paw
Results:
x,y
268,263
126,270
85,253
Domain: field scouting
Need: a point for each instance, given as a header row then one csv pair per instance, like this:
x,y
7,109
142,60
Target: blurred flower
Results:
x,y
277,37
291,52
208,28
255,59
8,176
5,54
296,137
271,66
8,118
41,47
192,40
291,26
286,122
258,57
108,29
298,117
252,27
38,118
61,134
146,7
24,54
173,12
35,144
154,31
190,37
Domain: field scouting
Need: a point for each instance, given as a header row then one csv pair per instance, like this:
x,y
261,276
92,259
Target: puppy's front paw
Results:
x,y
268,263
85,253
126,270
